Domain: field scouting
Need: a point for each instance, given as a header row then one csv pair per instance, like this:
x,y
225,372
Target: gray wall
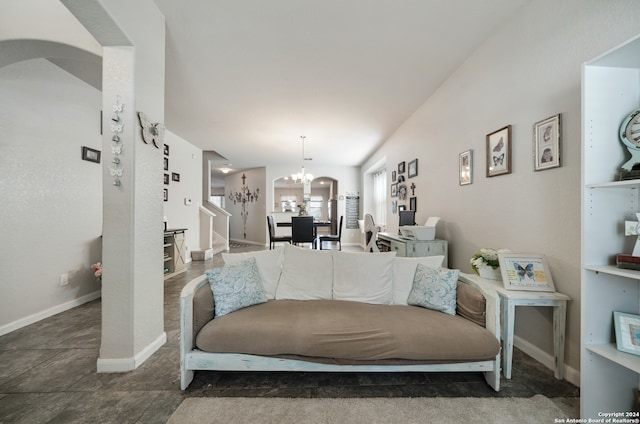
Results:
x,y
529,70
51,212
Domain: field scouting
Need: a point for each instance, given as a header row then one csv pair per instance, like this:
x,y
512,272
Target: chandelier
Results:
x,y
301,177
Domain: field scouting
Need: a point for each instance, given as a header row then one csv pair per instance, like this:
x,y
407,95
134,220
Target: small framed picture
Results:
x,y
92,155
166,195
393,176
525,272
413,168
166,164
465,166
394,190
546,143
401,167
627,332
394,207
499,152
175,176
166,150
402,208
412,203
166,179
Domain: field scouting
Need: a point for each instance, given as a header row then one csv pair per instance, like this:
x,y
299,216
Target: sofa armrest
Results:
x,y
187,313
492,302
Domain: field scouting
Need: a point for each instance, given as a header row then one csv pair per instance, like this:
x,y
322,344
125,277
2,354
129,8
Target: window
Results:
x,y
380,197
314,206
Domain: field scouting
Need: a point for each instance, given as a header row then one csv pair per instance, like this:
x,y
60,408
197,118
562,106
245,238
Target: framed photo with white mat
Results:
x,y
525,271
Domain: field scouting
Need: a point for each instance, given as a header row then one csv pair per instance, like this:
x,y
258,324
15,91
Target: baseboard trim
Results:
x,y
55,310
571,374
106,365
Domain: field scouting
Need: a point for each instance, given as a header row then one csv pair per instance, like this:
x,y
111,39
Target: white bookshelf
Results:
x,y
610,90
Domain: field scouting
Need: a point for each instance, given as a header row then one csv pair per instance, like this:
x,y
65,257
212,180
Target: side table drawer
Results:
x,y
399,248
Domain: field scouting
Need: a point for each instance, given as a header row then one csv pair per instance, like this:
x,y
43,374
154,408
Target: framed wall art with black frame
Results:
x,y
499,152
91,155
546,143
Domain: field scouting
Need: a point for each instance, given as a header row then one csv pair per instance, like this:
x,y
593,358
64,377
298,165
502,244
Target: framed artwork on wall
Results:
x,y
166,195
401,167
499,152
166,179
465,167
393,176
394,190
175,176
91,155
546,143
412,203
413,168
166,164
166,150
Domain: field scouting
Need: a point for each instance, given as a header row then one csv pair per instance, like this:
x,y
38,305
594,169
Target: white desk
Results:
x,y
509,299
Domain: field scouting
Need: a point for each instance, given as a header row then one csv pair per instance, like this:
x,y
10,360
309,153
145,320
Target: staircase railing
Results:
x,y
214,227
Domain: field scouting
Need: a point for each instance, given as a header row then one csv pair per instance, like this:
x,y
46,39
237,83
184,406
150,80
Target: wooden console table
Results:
x,y
509,299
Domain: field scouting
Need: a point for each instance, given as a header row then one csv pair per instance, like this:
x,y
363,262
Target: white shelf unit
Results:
x,y
610,90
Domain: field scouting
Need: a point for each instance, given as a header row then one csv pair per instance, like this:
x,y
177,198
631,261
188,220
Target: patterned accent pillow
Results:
x,y
434,288
235,287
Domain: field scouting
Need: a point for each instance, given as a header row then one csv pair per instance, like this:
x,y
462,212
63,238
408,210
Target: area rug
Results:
x,y
537,409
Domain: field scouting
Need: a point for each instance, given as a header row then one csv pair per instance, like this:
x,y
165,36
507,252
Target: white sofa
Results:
x,y
298,283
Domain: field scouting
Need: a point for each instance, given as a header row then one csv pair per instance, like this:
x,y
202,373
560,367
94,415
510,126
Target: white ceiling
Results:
x,y
247,78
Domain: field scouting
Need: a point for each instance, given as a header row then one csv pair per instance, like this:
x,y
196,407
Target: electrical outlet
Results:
x,y
64,279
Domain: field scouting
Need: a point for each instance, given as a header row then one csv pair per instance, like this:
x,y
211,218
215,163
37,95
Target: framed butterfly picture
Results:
x,y
525,272
499,152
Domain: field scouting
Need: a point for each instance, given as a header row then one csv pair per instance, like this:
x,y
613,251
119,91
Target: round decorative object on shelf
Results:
x,y
489,273
630,137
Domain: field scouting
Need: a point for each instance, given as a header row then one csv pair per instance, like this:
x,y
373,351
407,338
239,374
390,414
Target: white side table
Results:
x,y
509,299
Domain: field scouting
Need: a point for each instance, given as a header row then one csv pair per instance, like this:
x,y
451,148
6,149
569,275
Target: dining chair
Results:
x,y
371,232
333,237
272,234
302,230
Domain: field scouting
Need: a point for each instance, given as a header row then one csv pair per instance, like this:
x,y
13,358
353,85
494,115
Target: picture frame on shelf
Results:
x,y
547,143
627,327
525,271
402,208
401,167
412,203
91,155
499,152
413,169
394,190
465,166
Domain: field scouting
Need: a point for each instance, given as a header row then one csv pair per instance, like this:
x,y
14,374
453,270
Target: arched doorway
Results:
x,y
321,201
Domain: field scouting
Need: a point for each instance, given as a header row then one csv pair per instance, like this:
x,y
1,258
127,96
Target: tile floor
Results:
x,y
48,374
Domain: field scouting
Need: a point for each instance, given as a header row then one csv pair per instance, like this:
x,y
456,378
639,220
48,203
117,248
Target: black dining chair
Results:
x,y
272,234
333,237
302,230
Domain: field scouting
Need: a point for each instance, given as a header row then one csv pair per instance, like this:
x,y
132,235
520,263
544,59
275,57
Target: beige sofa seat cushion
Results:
x,y
348,330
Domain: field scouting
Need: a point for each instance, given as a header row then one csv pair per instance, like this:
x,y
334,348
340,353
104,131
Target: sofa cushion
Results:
x,y
348,330
363,277
435,289
306,274
269,263
471,304
235,287
404,269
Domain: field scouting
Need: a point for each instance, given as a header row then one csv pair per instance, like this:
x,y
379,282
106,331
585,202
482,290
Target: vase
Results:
x,y
489,273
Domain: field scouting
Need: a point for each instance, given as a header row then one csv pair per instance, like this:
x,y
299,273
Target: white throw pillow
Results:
x,y
269,263
363,277
306,274
403,271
